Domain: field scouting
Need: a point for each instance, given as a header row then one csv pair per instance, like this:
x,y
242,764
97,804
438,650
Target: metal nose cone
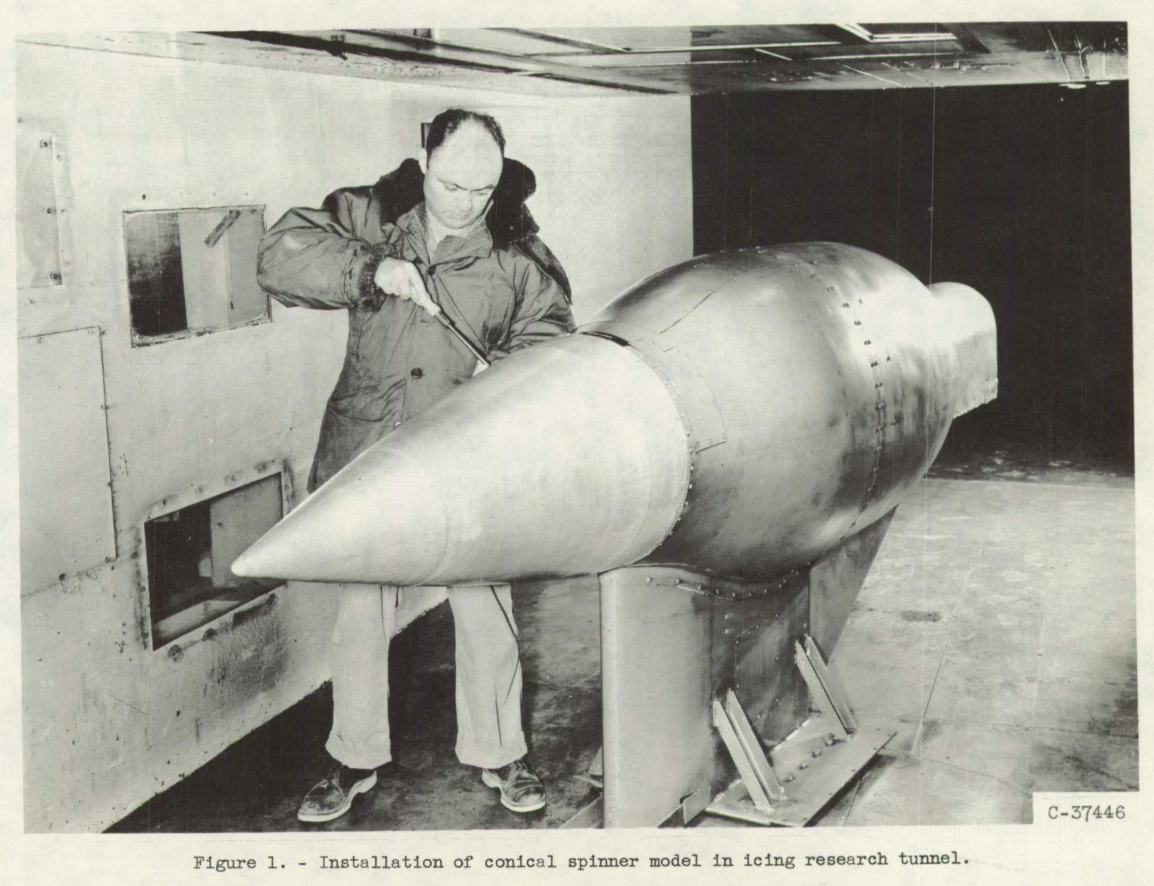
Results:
x,y
566,458
356,528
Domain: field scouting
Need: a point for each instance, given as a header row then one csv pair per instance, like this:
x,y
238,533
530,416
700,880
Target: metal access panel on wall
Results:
x,y
39,261
66,522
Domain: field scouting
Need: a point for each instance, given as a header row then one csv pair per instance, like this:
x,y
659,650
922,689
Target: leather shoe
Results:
x,y
332,796
521,790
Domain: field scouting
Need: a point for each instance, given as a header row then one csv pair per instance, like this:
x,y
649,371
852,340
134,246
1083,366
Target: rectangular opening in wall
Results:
x,y
192,271
189,552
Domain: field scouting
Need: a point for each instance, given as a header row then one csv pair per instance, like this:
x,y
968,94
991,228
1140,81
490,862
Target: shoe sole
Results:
x,y
494,782
359,787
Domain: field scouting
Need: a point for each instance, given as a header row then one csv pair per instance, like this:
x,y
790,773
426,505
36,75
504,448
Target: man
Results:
x,y
467,248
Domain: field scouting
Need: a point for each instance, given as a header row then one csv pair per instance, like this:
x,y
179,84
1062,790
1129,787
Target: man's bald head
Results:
x,y
448,122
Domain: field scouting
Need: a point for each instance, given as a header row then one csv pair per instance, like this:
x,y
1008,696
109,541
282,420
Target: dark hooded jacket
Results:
x,y
499,283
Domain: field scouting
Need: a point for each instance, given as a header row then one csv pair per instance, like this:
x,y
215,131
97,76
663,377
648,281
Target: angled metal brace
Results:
x,y
832,685
746,752
751,745
597,767
824,688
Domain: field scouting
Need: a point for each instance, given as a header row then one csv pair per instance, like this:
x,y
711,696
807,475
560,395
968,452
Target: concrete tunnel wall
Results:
x,y
107,721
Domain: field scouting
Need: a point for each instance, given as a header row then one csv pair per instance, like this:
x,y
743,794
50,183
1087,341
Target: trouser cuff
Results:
x,y
490,757
361,755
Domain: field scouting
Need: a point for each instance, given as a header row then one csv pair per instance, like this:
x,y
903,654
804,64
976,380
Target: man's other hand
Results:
x,y
401,278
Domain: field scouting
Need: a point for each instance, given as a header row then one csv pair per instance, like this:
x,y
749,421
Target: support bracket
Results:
x,y
805,771
824,688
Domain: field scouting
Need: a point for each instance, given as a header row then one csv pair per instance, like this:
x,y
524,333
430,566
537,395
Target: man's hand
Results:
x,y
401,278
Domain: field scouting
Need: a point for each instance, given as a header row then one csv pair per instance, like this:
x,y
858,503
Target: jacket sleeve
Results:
x,y
542,309
318,258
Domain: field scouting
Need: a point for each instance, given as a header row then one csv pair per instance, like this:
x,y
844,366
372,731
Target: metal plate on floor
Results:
x,y
812,773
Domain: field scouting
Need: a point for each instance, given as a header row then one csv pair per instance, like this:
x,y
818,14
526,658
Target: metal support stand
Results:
x,y
673,641
806,770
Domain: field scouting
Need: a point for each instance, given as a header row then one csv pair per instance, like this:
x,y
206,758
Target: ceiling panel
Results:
x,y
687,60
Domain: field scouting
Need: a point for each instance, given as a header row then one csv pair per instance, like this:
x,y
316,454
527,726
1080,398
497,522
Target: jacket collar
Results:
x,y
508,221
477,243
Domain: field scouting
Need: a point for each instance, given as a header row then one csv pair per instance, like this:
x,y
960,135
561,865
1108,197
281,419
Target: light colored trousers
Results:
x,y
488,670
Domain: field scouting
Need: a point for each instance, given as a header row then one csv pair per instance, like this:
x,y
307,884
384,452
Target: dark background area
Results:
x,y
1022,192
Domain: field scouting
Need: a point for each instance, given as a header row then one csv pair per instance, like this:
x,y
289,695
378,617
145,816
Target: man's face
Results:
x,y
461,176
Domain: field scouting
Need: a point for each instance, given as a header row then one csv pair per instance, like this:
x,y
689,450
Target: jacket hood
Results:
x,y
509,219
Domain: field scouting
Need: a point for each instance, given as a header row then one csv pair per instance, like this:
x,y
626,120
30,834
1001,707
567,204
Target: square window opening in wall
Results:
x,y
193,271
189,552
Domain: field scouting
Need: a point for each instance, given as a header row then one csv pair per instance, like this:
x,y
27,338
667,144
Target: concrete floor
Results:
x,y
1013,674
996,633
